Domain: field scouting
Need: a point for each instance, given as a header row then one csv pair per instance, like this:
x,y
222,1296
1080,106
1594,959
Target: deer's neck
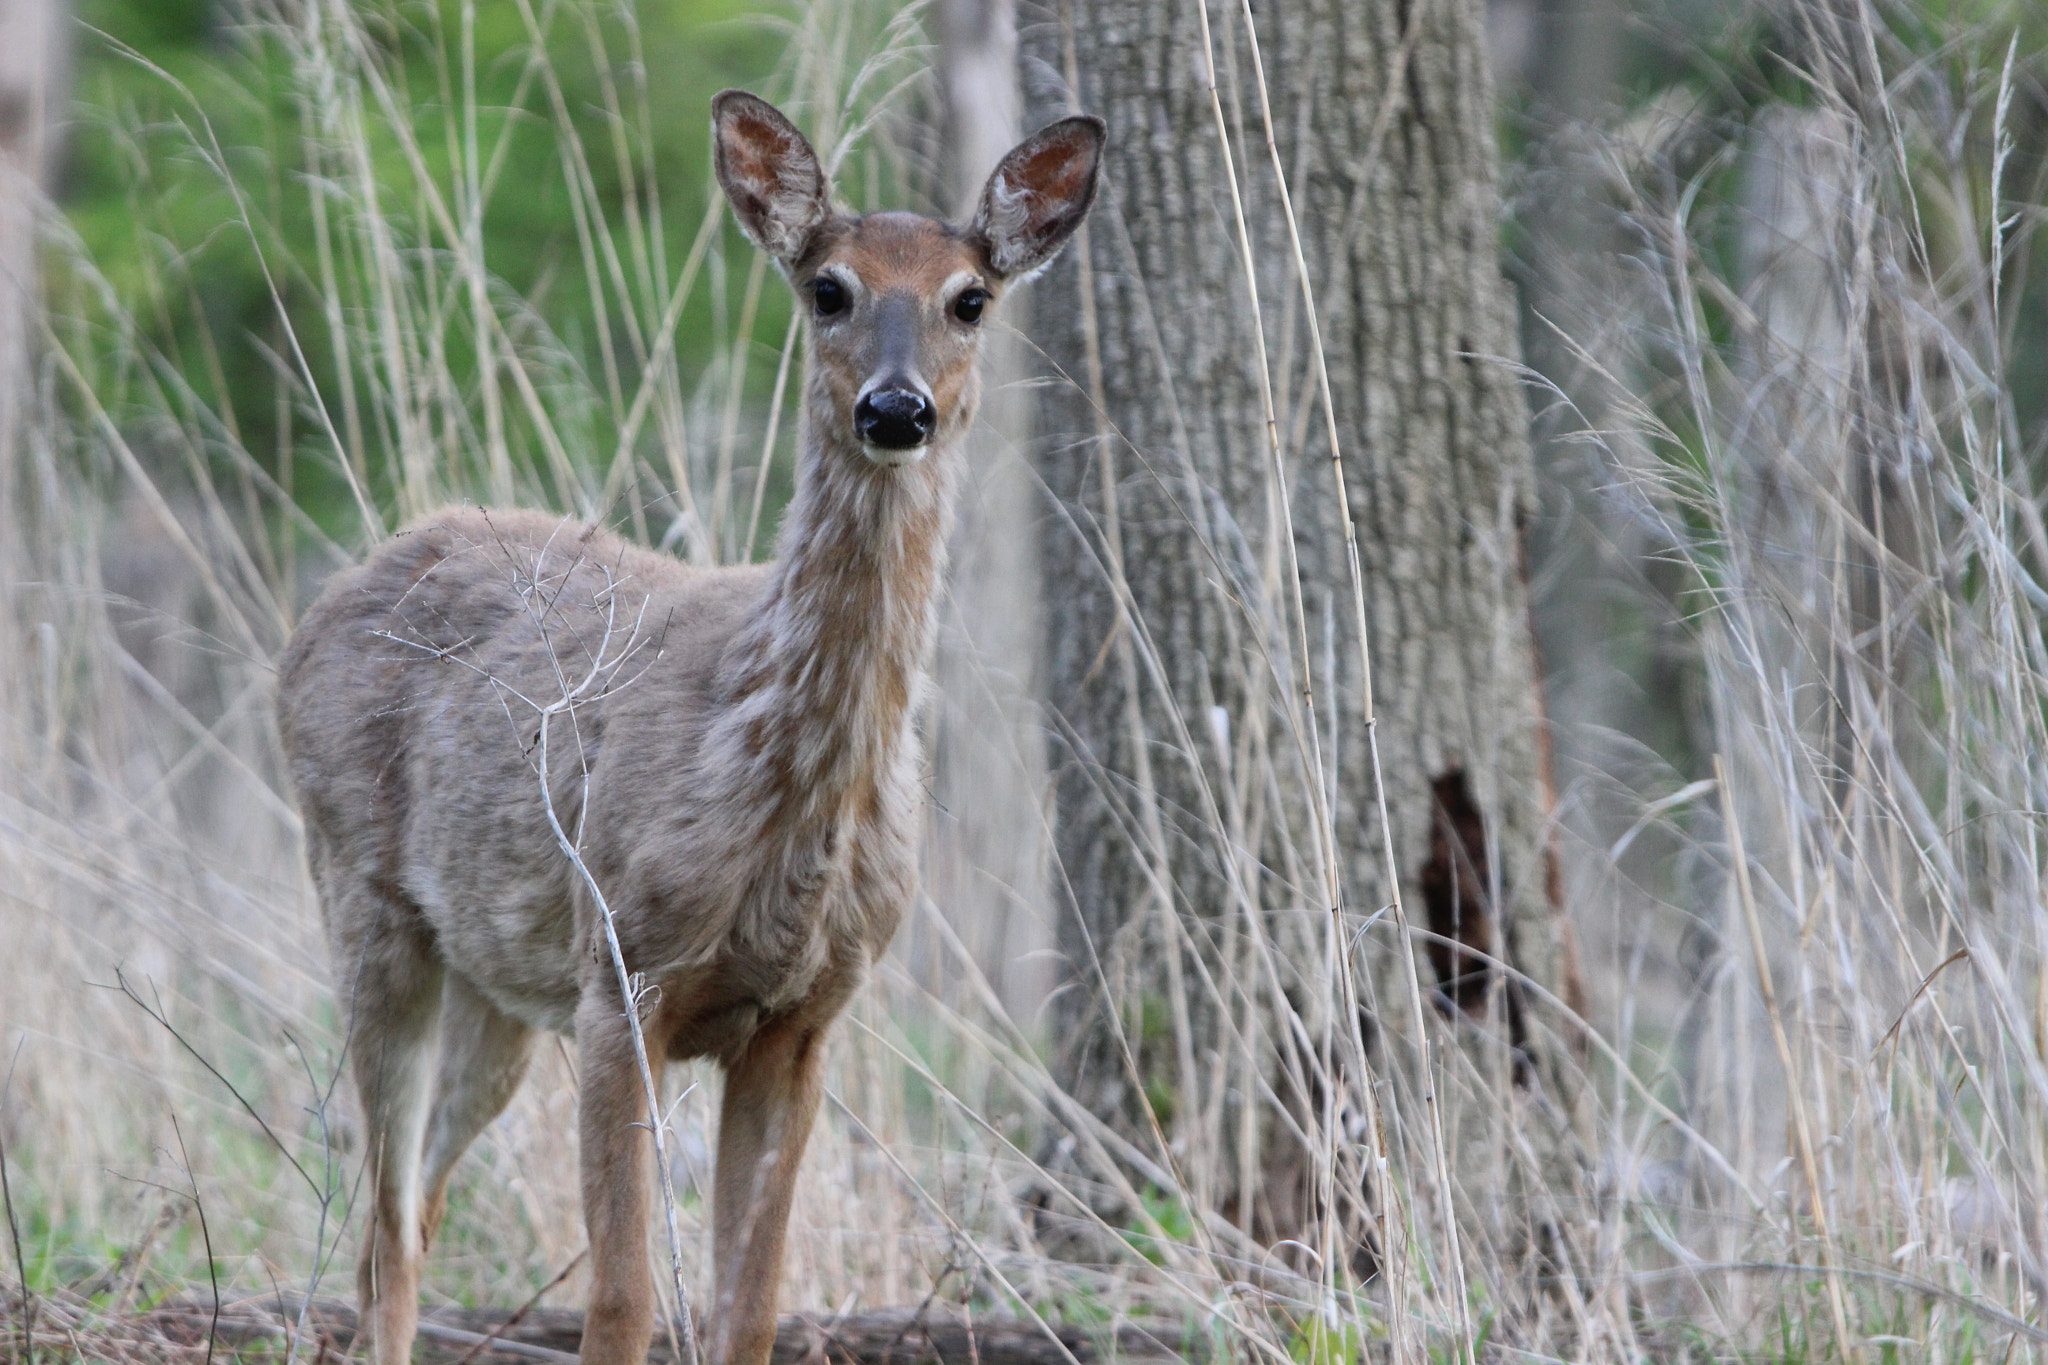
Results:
x,y
825,676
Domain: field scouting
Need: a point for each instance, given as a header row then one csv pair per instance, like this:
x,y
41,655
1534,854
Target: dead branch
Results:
x,y
932,1335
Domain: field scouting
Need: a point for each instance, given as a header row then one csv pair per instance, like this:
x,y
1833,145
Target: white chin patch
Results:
x,y
890,459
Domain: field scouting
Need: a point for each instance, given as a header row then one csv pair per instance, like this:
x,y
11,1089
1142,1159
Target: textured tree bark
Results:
x,y
1381,111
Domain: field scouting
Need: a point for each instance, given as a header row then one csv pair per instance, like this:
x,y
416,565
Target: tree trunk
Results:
x,y
985,852
1187,767
34,82
34,79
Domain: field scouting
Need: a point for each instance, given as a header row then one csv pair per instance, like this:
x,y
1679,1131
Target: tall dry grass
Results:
x,y
1790,393
166,960
1805,1118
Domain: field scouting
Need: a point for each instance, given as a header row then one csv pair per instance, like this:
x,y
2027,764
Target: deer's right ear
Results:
x,y
769,173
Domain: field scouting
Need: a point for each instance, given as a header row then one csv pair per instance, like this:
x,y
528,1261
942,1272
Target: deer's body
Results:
x,y
456,824
731,751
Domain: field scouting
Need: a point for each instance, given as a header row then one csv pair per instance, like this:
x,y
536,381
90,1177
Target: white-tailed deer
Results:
x,y
732,752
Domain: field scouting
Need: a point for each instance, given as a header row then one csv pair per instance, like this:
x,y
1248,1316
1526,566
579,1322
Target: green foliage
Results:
x,y
1165,1221
1154,1037
193,176
1320,1342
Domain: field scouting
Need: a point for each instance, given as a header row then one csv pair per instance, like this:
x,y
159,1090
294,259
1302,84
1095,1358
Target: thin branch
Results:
x,y
205,1237
28,1297
121,984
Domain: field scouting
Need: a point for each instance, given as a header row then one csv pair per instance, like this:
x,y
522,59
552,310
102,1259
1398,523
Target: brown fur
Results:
x,y
733,750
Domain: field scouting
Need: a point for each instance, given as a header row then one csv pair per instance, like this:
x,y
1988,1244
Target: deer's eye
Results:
x,y
828,296
968,306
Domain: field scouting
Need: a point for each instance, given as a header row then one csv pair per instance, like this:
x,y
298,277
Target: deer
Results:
x,y
734,749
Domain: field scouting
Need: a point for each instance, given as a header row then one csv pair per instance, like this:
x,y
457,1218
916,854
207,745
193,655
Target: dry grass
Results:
x,y
1812,1117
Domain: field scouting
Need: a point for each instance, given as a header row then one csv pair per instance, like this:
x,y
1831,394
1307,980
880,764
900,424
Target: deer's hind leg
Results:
x,y
484,1053
390,973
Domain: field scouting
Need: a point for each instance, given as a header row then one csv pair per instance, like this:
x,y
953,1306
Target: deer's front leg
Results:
x,y
617,1147
771,1097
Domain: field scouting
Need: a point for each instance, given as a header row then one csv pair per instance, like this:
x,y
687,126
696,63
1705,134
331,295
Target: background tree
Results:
x,y
34,86
1204,704
34,83
985,850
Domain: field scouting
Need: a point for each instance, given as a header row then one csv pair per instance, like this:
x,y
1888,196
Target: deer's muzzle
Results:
x,y
894,421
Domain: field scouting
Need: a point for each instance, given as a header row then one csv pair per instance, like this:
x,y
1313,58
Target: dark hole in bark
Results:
x,y
1458,884
1456,894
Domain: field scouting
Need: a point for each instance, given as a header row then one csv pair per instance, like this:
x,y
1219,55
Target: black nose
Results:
x,y
895,419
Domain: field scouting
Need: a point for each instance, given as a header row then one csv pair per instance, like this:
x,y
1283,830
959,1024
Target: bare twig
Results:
x,y
519,1314
28,1295
595,683
205,1238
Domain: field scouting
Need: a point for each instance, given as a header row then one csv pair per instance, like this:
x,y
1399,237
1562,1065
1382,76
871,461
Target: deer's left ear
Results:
x,y
769,173
1039,194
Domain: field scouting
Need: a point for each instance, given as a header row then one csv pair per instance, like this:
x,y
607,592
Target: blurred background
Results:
x,y
1486,759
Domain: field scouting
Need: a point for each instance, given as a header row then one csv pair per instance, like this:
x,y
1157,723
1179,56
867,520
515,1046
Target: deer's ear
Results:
x,y
1039,194
769,174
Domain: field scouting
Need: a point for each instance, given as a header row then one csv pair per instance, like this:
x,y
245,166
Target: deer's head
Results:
x,y
897,302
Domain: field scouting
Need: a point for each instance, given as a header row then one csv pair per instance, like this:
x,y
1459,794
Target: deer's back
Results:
x,y
411,701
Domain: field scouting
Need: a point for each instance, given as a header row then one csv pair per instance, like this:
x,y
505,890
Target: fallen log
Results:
x,y
935,1335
